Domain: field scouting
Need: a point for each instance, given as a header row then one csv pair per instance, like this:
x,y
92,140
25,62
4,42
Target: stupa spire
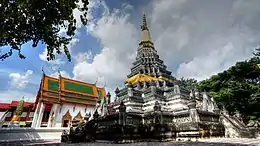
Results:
x,y
145,34
144,25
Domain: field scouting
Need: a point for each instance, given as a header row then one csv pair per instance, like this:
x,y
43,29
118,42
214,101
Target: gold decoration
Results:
x,y
16,118
78,117
67,117
166,79
142,78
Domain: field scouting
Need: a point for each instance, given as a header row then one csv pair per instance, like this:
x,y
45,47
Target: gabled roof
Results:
x,y
68,90
15,103
4,106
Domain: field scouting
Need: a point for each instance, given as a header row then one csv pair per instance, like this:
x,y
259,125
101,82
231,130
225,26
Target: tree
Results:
x,y
189,83
237,88
257,53
35,21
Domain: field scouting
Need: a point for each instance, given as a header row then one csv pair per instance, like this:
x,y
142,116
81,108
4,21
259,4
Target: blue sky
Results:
x,y
195,39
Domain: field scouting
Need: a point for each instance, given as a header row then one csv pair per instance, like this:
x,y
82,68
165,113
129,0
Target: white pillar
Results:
x,y
39,119
51,123
35,115
51,116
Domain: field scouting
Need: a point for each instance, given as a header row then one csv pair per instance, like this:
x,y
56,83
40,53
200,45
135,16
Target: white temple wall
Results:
x,y
68,106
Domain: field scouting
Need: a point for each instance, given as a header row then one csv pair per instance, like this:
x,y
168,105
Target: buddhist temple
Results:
x,y
16,111
154,106
59,103
69,100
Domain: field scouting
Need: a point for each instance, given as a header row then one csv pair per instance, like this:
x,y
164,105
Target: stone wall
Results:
x,y
24,134
74,110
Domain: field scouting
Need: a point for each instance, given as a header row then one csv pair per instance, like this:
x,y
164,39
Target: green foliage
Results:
x,y
257,53
238,88
188,83
22,21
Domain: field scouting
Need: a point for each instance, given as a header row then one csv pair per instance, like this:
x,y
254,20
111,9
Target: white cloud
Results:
x,y
112,64
10,95
20,81
201,67
54,65
196,39
58,60
63,74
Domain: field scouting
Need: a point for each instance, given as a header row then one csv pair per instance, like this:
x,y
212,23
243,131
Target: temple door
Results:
x,y
66,119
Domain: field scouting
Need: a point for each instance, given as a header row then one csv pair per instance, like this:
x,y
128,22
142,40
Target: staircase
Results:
x,y
234,127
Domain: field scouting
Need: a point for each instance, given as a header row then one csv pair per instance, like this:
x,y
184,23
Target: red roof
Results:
x,y
15,103
4,106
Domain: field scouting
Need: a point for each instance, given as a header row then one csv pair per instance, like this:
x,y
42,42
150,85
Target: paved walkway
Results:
x,y
201,142
246,141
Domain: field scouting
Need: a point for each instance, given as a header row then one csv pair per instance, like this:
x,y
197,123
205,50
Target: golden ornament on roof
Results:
x,y
142,78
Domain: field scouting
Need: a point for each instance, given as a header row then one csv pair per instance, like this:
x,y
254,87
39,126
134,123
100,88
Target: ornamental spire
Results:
x,y
144,26
145,34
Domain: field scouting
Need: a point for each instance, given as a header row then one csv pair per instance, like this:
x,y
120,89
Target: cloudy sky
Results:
x,y
195,38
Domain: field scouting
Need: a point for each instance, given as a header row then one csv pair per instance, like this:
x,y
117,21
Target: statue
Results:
x,y
196,93
211,106
205,102
191,94
157,113
177,89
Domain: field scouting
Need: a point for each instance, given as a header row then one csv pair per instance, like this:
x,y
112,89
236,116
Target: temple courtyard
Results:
x,y
152,105
200,142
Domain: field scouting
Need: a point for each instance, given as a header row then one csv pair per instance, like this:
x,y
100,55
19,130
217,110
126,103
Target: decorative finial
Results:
x,y
96,81
43,69
59,72
144,25
117,90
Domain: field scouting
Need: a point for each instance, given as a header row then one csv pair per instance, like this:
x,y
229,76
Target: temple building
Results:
x,y
153,96
150,81
154,106
70,100
59,103
16,111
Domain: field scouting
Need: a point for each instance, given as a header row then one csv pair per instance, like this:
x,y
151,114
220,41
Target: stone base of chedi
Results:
x,y
125,127
157,125
153,106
